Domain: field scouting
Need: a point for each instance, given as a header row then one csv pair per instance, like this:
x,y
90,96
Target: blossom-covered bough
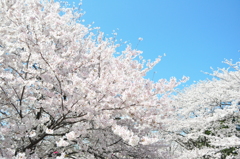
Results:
x,y
65,94
207,116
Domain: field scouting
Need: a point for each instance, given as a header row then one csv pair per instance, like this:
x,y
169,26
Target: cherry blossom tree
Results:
x,y
65,93
207,116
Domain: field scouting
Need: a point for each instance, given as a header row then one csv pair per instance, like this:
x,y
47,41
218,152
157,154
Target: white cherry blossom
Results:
x,y
49,131
21,156
62,142
71,135
32,133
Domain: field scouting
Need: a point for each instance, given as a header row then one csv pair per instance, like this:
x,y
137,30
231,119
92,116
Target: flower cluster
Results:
x,y
62,84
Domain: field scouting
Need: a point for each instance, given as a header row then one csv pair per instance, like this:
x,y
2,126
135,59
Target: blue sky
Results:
x,y
194,34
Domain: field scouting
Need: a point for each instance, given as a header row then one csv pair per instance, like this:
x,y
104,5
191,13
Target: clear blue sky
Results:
x,y
194,34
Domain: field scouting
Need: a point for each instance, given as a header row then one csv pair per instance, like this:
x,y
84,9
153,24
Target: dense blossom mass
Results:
x,y
66,93
207,116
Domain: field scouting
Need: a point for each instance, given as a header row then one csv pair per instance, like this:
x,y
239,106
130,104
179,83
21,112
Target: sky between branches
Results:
x,y
195,35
